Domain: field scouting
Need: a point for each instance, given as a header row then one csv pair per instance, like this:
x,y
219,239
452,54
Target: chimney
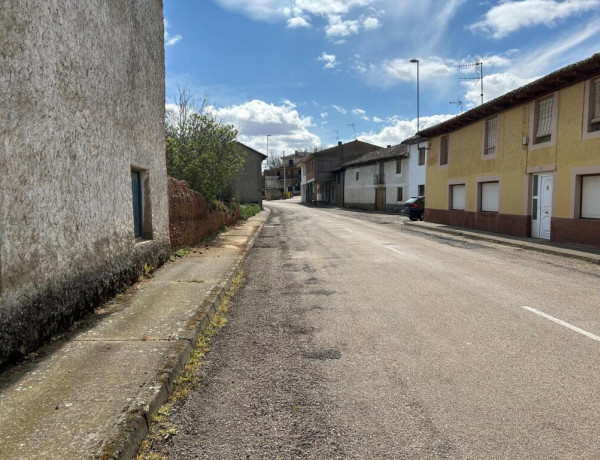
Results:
x,y
339,143
389,146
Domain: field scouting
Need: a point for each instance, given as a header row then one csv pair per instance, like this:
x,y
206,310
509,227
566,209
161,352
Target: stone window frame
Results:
x,y
451,184
587,102
486,128
533,122
444,141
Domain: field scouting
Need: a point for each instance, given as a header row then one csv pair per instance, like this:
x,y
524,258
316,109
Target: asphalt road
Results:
x,y
354,338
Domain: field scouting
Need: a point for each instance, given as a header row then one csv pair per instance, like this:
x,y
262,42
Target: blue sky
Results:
x,y
301,70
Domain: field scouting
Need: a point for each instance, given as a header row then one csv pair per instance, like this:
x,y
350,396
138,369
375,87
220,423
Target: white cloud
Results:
x,y
377,120
371,23
324,114
401,129
494,85
342,110
298,22
170,40
255,119
433,67
329,60
510,16
337,27
359,112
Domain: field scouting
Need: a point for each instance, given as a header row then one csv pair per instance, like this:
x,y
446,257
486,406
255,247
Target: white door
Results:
x,y
541,215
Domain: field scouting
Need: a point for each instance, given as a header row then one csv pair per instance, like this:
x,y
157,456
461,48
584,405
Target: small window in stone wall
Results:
x,y
421,190
398,166
142,206
357,175
399,194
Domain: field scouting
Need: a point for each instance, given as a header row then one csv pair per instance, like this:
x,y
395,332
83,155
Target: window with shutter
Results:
x,y
544,120
458,197
590,197
444,150
491,134
595,106
421,156
490,196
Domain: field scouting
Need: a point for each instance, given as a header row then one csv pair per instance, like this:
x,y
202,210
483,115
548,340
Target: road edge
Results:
x,y
133,425
567,253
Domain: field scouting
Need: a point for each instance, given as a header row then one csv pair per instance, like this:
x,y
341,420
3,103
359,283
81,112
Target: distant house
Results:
x,y
377,180
321,177
417,165
83,195
274,177
526,163
247,185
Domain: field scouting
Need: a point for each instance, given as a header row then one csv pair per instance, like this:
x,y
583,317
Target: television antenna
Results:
x,y
354,128
337,134
459,103
478,67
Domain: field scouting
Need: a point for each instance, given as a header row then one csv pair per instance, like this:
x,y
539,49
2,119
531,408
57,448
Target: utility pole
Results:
x,y
416,61
284,177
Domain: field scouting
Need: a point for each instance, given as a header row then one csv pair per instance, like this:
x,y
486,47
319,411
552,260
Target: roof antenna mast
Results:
x,y
354,128
478,66
459,103
337,134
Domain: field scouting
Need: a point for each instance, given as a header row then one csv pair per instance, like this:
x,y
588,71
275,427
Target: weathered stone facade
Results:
x,y
82,105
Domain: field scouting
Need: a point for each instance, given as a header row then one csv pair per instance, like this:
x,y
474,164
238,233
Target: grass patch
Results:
x,y
248,210
154,446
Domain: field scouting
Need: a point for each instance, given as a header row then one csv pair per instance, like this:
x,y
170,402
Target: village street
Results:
x,y
352,337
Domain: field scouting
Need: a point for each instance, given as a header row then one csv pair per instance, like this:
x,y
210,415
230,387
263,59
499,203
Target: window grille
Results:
x,y
491,128
544,124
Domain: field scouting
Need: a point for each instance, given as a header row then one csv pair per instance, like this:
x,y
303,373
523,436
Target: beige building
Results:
x,y
526,163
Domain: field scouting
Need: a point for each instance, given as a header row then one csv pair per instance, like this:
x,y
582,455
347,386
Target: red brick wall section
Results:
x,y
576,231
486,221
190,218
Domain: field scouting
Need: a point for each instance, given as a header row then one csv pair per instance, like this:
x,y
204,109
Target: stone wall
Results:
x,y
191,216
82,104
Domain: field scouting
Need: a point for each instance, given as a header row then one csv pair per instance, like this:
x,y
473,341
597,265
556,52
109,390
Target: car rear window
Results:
x,y
411,200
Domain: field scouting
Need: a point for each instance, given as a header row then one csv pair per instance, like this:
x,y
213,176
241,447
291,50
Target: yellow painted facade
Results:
x,y
567,155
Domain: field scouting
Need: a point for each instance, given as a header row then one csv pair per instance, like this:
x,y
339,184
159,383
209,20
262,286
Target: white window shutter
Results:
x,y
490,196
590,197
458,197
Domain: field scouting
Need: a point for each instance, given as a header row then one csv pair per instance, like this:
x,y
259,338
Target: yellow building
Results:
x,y
526,163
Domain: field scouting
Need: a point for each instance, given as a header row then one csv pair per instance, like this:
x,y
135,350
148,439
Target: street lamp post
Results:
x,y
416,61
268,135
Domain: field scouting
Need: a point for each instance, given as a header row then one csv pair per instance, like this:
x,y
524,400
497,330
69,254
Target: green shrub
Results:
x,y
248,210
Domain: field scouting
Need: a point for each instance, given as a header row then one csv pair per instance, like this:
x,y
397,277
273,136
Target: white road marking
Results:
x,y
563,323
393,249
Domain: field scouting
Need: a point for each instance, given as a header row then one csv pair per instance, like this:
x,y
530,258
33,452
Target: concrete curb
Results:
x,y
133,425
568,253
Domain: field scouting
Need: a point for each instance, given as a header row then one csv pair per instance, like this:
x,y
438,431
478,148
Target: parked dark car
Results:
x,y
414,208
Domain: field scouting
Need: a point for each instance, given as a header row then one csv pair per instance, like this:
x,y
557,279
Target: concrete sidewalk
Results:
x,y
533,244
90,393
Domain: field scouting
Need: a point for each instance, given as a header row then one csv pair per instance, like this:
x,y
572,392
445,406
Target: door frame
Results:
x,y
538,203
